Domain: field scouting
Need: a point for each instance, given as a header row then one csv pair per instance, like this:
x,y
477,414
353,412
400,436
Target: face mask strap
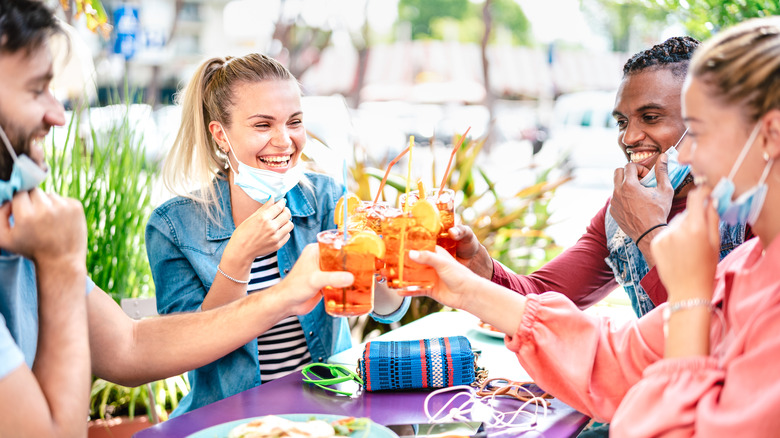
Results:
x,y
744,151
7,144
230,145
680,140
765,173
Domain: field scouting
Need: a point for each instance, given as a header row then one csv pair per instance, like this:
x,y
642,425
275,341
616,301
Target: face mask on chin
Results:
x,y
25,174
677,172
747,207
260,184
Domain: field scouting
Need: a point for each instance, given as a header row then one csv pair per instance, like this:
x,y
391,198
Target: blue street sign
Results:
x,y
127,28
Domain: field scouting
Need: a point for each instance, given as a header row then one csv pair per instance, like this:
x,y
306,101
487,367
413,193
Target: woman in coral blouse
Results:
x,y
706,362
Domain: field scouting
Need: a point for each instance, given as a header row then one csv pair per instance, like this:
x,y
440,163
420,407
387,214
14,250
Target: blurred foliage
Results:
x,y
105,168
106,171
433,19
512,228
109,400
633,20
95,13
626,21
702,18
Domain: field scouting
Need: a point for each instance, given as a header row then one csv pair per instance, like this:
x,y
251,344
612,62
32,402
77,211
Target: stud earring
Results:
x,y
766,156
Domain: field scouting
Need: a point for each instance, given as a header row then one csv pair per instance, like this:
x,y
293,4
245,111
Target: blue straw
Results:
x,y
344,168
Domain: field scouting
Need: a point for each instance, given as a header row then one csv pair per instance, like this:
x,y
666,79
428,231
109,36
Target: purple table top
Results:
x,y
289,395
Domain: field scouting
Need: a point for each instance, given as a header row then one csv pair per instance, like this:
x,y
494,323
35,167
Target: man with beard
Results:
x,y
649,191
57,326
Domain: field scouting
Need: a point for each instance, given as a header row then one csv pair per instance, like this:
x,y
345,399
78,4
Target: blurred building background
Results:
x,y
536,77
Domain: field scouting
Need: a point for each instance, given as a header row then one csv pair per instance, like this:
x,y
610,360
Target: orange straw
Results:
x,y
449,165
401,254
387,173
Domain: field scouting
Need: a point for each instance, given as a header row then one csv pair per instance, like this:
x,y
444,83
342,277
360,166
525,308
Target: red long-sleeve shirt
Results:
x,y
580,272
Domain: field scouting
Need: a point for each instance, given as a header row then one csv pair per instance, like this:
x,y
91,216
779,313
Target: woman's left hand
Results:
x,y
386,300
686,253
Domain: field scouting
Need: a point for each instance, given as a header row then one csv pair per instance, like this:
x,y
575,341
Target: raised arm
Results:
x,y
580,272
133,352
52,398
263,232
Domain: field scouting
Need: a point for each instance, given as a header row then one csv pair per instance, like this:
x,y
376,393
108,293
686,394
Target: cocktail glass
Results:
x,y
352,256
368,215
446,206
401,233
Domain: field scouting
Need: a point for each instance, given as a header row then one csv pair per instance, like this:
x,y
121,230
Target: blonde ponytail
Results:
x,y
195,159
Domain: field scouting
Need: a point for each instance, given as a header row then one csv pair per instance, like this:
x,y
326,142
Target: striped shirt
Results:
x,y
282,349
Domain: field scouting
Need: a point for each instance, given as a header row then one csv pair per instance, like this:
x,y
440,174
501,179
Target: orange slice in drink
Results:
x,y
367,242
427,215
352,203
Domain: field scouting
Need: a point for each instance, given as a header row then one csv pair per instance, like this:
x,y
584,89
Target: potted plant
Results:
x,y
107,171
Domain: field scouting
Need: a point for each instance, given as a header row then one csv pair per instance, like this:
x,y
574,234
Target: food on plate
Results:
x,y
272,426
487,326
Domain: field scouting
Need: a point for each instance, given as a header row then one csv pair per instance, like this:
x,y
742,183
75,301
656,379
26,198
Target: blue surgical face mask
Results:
x,y
748,206
262,185
25,174
677,172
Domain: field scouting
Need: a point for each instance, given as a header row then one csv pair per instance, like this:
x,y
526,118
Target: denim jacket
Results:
x,y
184,249
630,267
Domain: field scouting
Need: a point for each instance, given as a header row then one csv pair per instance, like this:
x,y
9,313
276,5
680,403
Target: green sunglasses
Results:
x,y
323,375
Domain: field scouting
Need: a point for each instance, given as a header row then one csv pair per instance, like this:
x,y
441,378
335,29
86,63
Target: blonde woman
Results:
x,y
714,373
252,211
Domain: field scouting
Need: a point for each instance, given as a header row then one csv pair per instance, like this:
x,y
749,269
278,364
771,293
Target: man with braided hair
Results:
x,y
649,190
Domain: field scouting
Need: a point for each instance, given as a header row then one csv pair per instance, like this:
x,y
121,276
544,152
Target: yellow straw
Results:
x,y
401,255
409,173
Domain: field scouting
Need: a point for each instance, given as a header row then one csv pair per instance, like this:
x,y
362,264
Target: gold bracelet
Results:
x,y
683,305
231,278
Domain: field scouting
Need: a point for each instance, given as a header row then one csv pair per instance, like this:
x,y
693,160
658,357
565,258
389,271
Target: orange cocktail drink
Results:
x,y
368,215
357,255
401,233
445,203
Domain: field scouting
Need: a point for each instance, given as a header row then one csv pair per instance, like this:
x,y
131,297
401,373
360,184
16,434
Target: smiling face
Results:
x,y
718,133
28,109
648,116
266,128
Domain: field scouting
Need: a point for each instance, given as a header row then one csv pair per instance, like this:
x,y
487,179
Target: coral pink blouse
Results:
x,y
617,373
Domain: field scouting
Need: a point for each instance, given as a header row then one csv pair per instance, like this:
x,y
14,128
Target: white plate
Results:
x,y
222,430
487,332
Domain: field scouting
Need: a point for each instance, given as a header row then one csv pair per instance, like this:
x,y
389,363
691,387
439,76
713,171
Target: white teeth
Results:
x,y
637,157
276,161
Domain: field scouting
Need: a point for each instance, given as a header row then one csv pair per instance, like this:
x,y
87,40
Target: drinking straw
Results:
x,y
387,173
449,164
345,216
343,250
401,255
409,174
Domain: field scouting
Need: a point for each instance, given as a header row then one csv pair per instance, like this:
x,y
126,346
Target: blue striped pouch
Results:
x,y
424,363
